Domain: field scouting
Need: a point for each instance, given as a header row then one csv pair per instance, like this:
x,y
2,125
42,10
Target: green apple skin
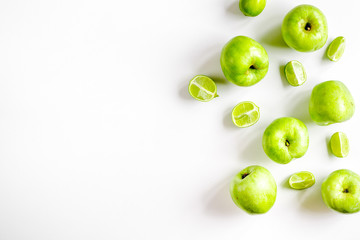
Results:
x,y
244,61
331,102
285,139
252,8
305,28
254,189
341,191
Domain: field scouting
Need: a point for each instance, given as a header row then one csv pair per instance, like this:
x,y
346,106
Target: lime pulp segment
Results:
x,y
301,180
202,88
339,144
245,114
336,49
295,73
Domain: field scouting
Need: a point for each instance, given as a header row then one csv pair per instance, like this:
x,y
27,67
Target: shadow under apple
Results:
x,y
311,199
253,150
212,68
274,38
300,107
218,201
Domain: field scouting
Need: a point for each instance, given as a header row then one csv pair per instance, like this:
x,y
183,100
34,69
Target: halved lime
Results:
x,y
336,49
245,114
295,73
202,88
339,144
301,180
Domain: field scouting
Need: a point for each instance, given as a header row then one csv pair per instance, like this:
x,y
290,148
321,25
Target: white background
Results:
x,y
99,138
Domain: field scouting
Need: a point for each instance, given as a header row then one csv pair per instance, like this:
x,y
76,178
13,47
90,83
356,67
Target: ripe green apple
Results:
x,y
305,28
331,102
252,8
244,61
254,189
341,191
285,139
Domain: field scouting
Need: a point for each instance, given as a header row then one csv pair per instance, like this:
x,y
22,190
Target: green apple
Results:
x,y
341,191
252,8
331,102
254,189
244,61
305,28
285,139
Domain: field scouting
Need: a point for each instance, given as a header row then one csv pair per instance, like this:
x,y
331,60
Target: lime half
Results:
x,y
301,180
339,144
245,114
295,73
202,88
336,49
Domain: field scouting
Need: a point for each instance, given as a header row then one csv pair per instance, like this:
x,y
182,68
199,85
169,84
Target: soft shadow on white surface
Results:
x,y
311,199
227,120
253,150
300,107
218,201
324,61
234,9
285,183
325,58
211,66
325,48
184,92
328,147
273,38
282,76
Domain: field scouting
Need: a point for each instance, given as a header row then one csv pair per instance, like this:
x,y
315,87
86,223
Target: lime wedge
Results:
x,y
339,144
301,180
295,73
336,49
245,114
202,88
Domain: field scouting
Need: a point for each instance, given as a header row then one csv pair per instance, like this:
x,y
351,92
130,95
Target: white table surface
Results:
x,y
99,138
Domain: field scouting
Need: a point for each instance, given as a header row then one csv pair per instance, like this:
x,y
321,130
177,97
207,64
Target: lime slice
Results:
x,y
336,49
339,144
295,73
245,114
301,180
202,88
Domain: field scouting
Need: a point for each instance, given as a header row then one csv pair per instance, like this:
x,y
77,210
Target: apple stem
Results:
x,y
345,190
244,175
287,143
308,27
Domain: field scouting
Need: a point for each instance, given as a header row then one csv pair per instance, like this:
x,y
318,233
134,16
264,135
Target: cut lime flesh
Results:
x,y
202,88
295,73
336,49
339,144
245,114
301,180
